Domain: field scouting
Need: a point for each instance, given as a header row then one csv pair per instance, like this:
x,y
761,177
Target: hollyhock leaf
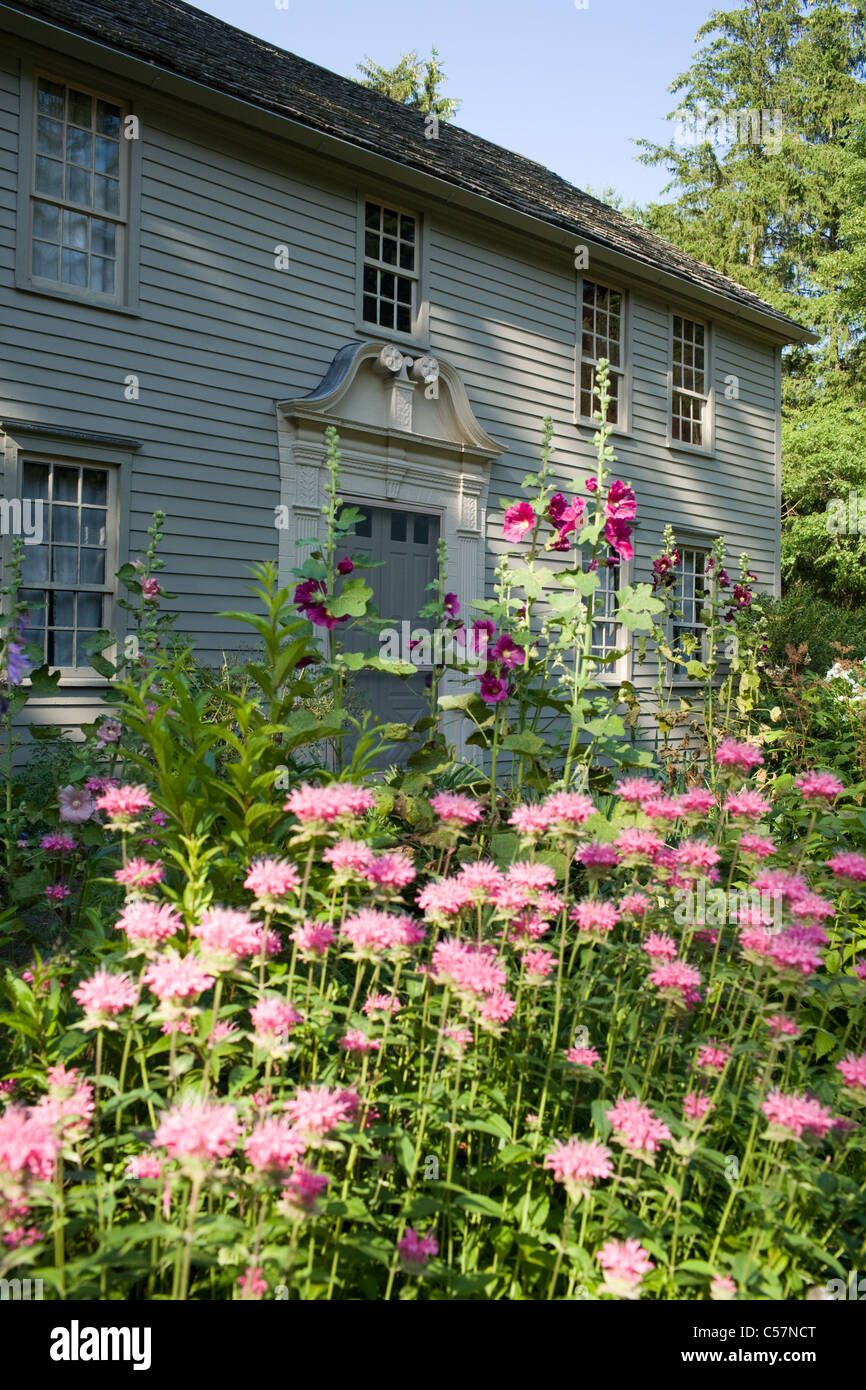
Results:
x,y
44,683
584,583
392,668
396,733
526,742
352,600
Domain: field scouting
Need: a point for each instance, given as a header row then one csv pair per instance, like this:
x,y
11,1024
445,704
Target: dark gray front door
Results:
x,y
406,542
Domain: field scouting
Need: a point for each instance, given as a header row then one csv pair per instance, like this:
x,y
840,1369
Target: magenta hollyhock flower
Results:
x,y
416,1249
274,1145
172,977
123,805
104,996
636,1128
345,565
76,805
818,786
451,605
625,1262
592,484
109,731
456,809
492,689
742,756
198,1131
577,1164
150,589
313,939
621,501
519,520
849,865
790,1116
271,879
618,534
506,651
147,924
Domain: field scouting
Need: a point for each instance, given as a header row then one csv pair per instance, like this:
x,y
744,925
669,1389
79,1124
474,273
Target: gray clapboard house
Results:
x,y
211,249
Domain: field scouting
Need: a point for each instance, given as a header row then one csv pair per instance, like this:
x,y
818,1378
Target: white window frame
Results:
x,y
692,546
418,335
24,442
614,672
622,372
125,296
707,444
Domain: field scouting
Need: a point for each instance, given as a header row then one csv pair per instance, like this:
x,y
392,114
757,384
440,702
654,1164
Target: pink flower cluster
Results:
x,y
323,806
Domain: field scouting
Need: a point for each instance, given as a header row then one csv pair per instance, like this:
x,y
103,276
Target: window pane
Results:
x,y
49,177
386,285
34,480
50,97
407,228
94,487
65,484
64,569
75,230
364,526
389,222
49,137
102,275
398,526
404,319
108,119
407,256
46,260
371,216
389,251
371,245
82,656
90,610
64,525
93,566
79,147
421,531
59,648
92,526
386,314
46,222
78,182
34,568
404,291
61,608
369,309
371,280
73,268
80,108
107,157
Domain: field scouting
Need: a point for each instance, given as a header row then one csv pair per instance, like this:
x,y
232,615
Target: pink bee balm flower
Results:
x,y
252,1283
28,1144
530,820
371,932
577,1163
470,970
723,1288
662,808
625,1263
696,854
519,520
227,936
712,1058
172,977
697,802
104,996
273,1019
197,1131
582,1056
565,810
677,982
57,892
138,873
274,1145
595,856
319,1109
349,859
695,1107
496,1008
594,918
851,866
144,1166
660,947
637,790
538,965
148,924
68,1106
325,805
532,877
57,842
76,805
818,786
790,1115
271,879
746,805
356,1041
853,1069
313,939
381,1003
634,905
455,809
761,846
634,844
416,1249
124,805
742,756
301,1192
636,1128
782,1026
390,870
459,1038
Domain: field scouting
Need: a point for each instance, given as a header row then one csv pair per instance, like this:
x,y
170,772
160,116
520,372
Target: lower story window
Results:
x,y
66,577
690,600
607,635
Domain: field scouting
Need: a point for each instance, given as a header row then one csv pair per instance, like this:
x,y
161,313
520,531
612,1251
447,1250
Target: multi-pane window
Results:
x,y
66,578
78,195
606,630
601,335
390,274
689,398
690,599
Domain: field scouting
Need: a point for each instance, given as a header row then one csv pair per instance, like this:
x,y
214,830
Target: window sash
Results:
x,y
608,633
689,596
597,318
689,372
406,278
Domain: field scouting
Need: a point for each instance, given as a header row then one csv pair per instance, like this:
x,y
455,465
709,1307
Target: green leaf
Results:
x,y
44,683
525,742
352,601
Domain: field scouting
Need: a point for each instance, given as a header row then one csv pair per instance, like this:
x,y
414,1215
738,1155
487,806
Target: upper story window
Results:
x,y
689,381
690,597
67,577
390,285
601,335
78,190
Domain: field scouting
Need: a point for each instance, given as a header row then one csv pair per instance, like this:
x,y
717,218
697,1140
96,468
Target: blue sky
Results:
x,y
568,87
